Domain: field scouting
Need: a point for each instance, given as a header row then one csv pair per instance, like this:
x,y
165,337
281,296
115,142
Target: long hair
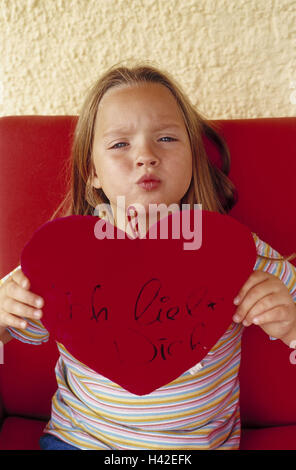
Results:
x,y
209,186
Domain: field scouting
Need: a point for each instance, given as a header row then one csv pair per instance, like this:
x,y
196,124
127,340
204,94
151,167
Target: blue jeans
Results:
x,y
49,442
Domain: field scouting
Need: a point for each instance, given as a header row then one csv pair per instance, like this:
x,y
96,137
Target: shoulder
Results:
x,y
264,249
266,253
273,262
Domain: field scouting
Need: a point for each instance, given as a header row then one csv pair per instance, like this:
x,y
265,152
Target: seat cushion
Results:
x,y
21,433
272,438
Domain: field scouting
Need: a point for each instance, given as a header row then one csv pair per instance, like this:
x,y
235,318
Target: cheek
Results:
x,y
115,177
187,171
110,168
186,164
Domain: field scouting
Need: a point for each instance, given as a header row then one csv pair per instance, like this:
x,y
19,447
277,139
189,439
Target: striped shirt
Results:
x,y
198,410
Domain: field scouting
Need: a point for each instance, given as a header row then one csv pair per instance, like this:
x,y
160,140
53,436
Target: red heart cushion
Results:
x,y
138,311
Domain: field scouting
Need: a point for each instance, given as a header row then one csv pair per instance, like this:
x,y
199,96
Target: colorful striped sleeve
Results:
x,y
283,270
35,333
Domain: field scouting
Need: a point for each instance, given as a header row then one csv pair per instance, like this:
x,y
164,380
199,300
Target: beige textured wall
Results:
x,y
235,58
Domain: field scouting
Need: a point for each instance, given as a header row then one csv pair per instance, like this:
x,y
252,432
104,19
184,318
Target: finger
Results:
x,y
9,320
265,304
275,315
255,278
24,296
22,280
255,294
19,309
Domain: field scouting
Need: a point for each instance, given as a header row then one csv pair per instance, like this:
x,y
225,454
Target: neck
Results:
x,y
136,223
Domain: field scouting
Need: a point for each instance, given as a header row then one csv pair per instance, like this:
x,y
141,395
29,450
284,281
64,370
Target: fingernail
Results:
x,y
256,321
23,324
236,301
38,303
235,318
37,314
25,284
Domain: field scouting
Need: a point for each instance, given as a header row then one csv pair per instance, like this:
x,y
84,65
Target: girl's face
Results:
x,y
139,130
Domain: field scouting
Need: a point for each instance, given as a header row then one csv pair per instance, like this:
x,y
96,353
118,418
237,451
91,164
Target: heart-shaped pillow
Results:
x,y
138,311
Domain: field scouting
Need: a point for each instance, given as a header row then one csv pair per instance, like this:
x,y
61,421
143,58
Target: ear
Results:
x,y
94,179
96,182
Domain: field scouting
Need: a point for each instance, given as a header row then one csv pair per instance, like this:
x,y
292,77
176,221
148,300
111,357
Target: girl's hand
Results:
x,y
17,303
265,301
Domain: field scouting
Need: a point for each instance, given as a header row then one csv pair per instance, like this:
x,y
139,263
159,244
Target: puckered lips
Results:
x,y
149,181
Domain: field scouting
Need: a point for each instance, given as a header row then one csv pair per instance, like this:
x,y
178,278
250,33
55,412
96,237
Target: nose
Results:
x,y
147,160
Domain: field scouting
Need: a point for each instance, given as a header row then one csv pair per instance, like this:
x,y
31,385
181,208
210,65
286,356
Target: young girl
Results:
x,y
137,123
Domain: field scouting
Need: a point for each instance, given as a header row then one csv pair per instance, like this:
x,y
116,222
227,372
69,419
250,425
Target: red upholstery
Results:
x,y
33,153
21,433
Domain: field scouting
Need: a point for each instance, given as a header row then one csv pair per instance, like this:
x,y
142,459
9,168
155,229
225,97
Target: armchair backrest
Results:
x,y
33,154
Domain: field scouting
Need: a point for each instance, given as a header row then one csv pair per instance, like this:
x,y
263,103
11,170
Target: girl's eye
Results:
x,y
167,139
119,145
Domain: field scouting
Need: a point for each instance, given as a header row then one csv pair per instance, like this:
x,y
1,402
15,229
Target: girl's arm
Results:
x,y
268,298
17,310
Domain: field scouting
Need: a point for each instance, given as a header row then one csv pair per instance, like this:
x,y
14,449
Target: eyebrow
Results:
x,y
126,130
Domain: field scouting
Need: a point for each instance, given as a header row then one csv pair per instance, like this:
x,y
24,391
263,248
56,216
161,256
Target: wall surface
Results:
x,y
234,58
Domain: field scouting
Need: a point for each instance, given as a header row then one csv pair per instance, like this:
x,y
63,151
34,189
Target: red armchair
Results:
x,y
33,153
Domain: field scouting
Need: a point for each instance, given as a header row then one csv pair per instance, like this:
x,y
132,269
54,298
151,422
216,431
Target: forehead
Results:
x,y
146,101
